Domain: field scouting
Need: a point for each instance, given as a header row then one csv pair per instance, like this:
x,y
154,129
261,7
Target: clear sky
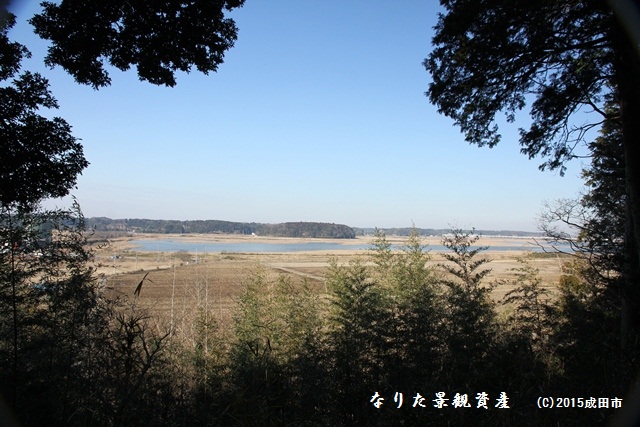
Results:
x,y
317,114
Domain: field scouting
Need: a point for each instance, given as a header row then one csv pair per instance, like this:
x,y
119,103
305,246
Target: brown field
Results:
x,y
177,282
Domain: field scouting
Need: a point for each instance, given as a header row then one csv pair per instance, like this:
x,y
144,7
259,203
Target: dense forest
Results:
x,y
287,229
386,341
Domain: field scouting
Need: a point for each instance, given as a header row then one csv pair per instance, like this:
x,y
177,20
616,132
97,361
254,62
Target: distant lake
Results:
x,y
170,245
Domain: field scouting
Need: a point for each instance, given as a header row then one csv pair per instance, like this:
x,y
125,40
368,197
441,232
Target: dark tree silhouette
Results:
x,y
492,56
40,157
159,38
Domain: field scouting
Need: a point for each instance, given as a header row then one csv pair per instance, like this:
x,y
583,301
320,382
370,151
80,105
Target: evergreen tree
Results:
x,y
492,56
469,317
54,315
358,336
417,305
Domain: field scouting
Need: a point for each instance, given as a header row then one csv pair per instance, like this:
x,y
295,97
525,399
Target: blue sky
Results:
x,y
317,114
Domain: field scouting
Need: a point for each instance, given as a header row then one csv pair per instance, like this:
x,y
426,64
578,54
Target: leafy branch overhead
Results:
x,y
578,65
41,158
159,38
494,56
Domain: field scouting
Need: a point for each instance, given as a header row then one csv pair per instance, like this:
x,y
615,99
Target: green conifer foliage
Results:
x,y
469,312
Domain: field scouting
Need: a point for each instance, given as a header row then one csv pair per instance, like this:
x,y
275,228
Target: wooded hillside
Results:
x,y
287,229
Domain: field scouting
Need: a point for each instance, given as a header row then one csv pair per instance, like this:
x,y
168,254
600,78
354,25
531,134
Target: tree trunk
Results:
x,y
627,69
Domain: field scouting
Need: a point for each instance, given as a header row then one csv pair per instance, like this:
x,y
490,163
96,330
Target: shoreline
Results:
x,y
117,256
125,243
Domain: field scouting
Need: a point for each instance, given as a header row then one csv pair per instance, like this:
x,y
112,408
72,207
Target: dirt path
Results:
x,y
295,272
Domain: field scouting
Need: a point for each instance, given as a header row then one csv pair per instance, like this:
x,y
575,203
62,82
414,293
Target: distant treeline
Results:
x,y
406,231
287,229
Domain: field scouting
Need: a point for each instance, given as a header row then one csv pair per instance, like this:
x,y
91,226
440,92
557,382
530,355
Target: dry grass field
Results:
x,y
178,282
